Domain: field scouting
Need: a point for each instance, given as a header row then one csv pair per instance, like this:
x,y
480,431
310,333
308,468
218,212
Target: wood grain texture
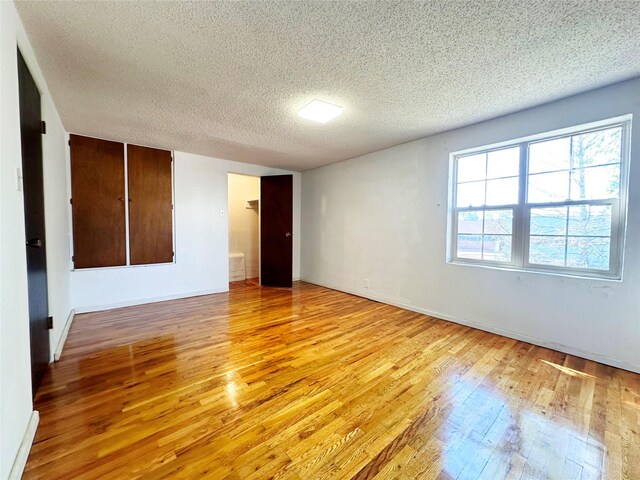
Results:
x,y
311,383
150,205
97,189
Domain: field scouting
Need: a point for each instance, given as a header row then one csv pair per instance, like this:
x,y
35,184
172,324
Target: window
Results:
x,y
553,202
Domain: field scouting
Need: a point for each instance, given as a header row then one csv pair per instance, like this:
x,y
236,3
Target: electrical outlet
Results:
x,y
366,283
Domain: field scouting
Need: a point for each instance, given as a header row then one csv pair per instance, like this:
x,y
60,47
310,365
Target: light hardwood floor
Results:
x,y
311,383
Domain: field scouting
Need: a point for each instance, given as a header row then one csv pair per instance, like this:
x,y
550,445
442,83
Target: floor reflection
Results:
x,y
310,383
569,371
494,433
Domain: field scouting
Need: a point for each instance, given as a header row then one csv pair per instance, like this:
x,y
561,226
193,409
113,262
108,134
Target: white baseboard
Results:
x,y
63,337
498,331
143,301
25,447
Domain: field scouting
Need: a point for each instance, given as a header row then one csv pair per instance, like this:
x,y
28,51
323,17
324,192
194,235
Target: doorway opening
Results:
x,y
244,228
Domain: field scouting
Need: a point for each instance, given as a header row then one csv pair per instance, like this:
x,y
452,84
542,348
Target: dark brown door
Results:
x,y
150,205
276,226
97,191
33,189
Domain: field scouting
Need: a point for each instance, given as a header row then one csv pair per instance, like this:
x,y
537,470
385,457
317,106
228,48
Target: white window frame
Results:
x,y
520,237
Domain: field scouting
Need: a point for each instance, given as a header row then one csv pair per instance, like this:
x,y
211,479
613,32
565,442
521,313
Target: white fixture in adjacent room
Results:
x,y
319,111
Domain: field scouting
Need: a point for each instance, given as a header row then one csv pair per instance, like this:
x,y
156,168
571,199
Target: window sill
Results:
x,y
119,267
540,271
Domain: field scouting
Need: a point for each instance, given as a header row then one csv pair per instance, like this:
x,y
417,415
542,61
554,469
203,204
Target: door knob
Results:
x,y
288,234
34,243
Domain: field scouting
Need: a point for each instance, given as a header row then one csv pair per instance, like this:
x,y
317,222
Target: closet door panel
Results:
x,y
98,206
150,205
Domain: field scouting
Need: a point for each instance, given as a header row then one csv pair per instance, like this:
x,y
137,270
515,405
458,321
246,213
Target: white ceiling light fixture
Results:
x,y
319,111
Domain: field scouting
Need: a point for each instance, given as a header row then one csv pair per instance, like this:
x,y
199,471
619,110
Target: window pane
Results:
x,y
503,163
470,222
563,208
546,250
596,182
497,248
498,221
471,168
471,194
503,191
550,156
548,187
470,246
586,252
590,220
548,221
597,148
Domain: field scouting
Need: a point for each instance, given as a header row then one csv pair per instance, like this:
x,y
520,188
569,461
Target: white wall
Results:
x,y
57,221
202,242
15,364
244,223
383,216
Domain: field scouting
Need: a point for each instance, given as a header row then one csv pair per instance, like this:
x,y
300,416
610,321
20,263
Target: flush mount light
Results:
x,y
319,111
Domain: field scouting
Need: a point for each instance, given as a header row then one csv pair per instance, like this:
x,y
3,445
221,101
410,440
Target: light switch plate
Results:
x,y
18,179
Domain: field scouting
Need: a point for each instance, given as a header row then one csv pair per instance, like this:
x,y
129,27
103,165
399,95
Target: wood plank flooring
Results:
x,y
311,383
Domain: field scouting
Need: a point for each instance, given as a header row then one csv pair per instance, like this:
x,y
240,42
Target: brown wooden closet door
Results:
x,y
97,190
150,205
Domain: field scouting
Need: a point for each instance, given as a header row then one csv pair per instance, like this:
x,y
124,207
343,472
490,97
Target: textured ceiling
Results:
x,y
226,78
